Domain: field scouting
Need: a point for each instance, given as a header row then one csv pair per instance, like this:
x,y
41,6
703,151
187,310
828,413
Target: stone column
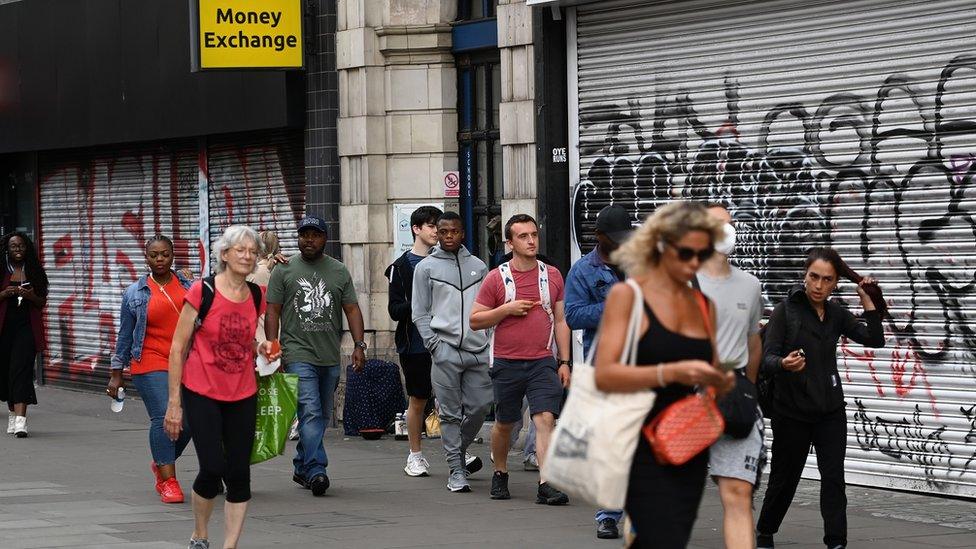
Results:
x,y
397,131
517,109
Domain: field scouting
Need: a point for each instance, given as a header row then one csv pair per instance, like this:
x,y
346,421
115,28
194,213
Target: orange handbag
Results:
x,y
689,426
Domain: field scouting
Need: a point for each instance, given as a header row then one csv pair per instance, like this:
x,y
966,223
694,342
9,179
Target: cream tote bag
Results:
x,y
592,448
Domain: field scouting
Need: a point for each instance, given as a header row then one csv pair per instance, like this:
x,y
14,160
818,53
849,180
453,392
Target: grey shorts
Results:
x,y
534,380
739,458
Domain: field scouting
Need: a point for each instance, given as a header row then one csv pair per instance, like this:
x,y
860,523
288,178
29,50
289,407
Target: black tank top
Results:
x,y
657,345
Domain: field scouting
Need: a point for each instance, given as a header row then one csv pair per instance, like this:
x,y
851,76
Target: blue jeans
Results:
x,y
316,396
153,387
607,513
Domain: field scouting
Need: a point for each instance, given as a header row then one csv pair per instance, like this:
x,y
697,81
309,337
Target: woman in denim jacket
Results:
x,y
150,309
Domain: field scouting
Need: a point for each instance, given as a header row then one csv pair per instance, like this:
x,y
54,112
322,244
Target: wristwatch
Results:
x,y
566,362
361,344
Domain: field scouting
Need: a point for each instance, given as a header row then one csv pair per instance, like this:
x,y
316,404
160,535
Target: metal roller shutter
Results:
x,y
851,124
97,209
258,180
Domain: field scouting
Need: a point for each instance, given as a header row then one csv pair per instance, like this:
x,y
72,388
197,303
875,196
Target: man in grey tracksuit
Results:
x,y
445,285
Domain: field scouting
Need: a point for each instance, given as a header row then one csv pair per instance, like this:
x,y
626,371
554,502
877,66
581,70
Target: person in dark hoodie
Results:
x,y
445,284
414,357
800,355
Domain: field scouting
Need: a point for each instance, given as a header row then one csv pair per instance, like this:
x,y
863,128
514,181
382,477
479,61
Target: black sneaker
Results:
x,y
300,480
548,495
764,541
319,484
607,529
499,486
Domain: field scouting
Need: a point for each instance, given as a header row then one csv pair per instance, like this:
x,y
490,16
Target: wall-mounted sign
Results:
x,y
452,185
402,233
558,155
246,34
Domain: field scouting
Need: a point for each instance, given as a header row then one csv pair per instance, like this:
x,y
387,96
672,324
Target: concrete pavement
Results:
x,y
82,480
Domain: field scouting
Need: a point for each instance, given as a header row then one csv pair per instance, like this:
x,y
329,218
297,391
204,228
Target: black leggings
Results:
x,y
662,500
791,447
223,434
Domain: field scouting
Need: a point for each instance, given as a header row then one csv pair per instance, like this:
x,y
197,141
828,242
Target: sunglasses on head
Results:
x,y
685,254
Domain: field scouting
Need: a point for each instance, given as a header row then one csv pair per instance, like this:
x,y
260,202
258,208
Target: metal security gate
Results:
x,y
258,180
97,209
851,124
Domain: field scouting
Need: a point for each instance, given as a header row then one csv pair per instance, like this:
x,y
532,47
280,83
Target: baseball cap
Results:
x,y
312,222
614,221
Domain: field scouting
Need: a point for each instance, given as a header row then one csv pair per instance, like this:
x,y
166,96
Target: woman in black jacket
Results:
x,y
800,355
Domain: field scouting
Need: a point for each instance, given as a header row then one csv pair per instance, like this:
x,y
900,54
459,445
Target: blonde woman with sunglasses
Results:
x,y
675,354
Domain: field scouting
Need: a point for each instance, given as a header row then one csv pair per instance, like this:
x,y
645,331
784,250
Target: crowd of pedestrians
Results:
x,y
476,341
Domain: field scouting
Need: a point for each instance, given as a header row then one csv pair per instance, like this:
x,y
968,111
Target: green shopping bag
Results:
x,y
277,403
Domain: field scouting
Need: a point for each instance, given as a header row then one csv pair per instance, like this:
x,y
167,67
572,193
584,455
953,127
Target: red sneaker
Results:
x,y
170,491
159,478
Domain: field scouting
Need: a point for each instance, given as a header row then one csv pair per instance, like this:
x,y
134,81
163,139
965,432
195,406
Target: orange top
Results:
x,y
161,317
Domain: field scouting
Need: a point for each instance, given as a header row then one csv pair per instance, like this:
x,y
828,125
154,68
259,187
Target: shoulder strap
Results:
x,y
206,299
706,313
632,339
544,289
256,297
508,281
546,299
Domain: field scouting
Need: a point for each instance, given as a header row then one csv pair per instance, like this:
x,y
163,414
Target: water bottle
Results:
x,y
119,401
400,427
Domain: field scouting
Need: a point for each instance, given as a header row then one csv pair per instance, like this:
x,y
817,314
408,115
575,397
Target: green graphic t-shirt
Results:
x,y
311,297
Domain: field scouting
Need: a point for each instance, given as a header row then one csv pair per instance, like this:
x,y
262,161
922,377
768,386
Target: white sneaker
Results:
x,y
417,466
20,426
11,420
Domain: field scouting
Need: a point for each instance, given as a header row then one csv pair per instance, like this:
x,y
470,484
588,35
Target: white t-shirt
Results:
x,y
738,310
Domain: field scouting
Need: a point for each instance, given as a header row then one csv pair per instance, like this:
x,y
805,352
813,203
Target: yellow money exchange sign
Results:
x,y
250,34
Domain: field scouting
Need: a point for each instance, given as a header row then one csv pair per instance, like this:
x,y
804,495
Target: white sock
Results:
x,y
416,454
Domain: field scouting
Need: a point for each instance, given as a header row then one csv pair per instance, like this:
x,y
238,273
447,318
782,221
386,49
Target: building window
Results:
x,y
469,10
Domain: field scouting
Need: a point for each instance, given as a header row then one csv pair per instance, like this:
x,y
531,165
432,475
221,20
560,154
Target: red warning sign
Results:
x,y
452,185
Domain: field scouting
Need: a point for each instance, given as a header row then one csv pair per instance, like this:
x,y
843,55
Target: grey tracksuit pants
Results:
x,y
464,395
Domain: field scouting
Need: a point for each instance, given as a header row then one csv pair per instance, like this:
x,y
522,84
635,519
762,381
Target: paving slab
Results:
x,y
82,480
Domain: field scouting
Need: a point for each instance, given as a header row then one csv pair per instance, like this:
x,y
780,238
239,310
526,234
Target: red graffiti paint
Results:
x,y
63,251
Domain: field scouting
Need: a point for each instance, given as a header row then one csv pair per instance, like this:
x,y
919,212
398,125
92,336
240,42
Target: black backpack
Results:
x,y
765,383
206,300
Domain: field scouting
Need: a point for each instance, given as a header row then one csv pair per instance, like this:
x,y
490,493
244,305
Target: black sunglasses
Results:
x,y
685,254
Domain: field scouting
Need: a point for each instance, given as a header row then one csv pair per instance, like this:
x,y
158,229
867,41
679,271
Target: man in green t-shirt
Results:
x,y
304,297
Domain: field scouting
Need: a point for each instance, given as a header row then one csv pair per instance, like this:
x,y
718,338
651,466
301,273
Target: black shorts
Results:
x,y
416,372
536,380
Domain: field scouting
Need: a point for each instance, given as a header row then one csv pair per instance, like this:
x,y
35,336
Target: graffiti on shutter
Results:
x,y
259,183
97,211
885,175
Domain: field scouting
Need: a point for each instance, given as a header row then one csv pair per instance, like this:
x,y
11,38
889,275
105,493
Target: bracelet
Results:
x,y
660,375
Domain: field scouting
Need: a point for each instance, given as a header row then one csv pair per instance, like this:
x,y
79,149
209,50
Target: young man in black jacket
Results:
x,y
414,357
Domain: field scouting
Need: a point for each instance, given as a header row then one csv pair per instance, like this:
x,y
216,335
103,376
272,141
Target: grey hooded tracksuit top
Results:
x,y
444,289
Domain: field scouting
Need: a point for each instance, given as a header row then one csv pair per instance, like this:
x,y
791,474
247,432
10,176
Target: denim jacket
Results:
x,y
587,285
132,321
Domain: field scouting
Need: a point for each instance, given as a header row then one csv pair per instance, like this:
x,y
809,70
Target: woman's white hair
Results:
x,y
234,235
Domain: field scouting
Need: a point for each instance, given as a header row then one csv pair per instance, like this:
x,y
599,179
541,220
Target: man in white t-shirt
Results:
x,y
735,464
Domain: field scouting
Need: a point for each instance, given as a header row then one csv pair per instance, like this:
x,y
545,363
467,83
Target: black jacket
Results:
x,y
815,391
400,275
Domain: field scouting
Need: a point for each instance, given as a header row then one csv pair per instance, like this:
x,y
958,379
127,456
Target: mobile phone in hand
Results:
x,y
801,353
